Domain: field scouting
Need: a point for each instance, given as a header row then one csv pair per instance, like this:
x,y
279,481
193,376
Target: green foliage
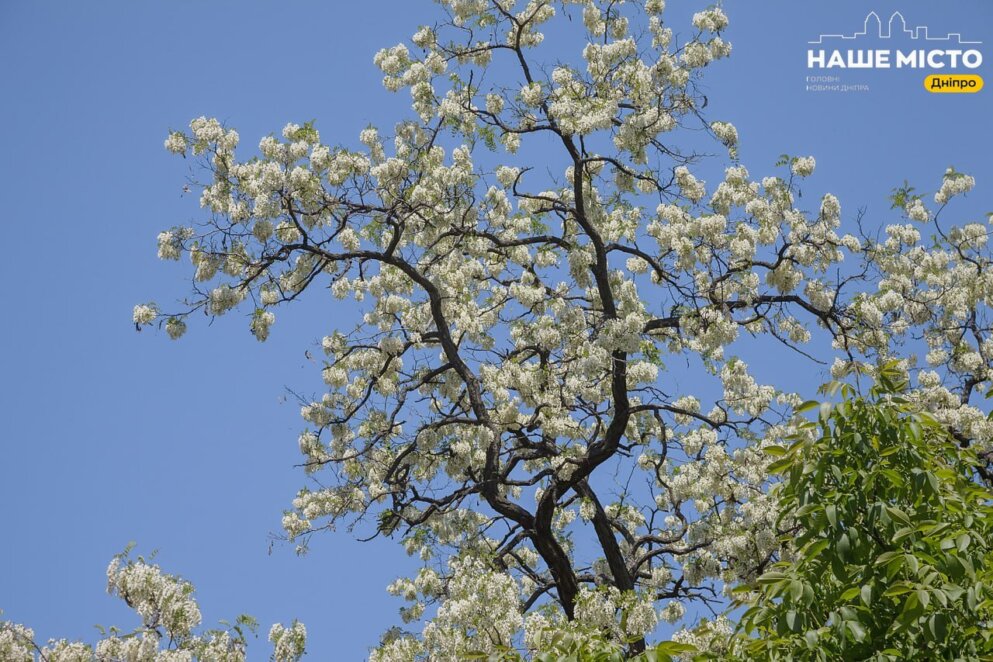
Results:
x,y
652,354
307,132
584,647
488,136
387,522
902,196
892,534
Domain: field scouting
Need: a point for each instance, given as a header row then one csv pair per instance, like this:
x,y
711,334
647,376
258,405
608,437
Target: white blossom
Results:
x,y
803,166
145,313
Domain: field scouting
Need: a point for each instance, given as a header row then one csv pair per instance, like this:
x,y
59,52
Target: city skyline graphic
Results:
x,y
896,26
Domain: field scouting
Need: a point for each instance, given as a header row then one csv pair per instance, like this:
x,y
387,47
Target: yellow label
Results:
x,y
953,83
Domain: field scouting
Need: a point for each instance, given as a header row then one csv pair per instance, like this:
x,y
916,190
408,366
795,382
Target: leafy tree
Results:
x,y
535,254
894,554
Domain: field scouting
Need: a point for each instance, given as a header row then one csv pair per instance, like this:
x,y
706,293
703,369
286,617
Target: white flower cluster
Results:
x,y
145,313
712,20
261,321
169,617
726,133
289,643
16,642
712,637
689,185
480,613
803,166
917,211
161,600
176,143
952,184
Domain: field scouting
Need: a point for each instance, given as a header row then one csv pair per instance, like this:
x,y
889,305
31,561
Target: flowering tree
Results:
x,y
169,616
531,251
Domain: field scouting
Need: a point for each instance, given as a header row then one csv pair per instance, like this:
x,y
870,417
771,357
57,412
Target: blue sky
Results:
x,y
110,436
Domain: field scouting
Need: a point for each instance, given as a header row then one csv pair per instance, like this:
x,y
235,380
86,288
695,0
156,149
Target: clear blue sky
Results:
x,y
110,436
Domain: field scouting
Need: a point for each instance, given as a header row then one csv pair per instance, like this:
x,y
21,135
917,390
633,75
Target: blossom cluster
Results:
x,y
170,617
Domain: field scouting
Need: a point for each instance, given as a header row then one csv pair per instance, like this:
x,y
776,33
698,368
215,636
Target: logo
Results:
x,y
916,48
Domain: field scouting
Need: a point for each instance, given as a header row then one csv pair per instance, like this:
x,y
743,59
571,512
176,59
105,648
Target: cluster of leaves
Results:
x,y
893,540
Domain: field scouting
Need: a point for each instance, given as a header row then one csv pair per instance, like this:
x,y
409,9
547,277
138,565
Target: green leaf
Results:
x,y
894,566
831,511
866,594
850,594
937,528
938,626
898,515
838,568
675,648
903,533
911,609
844,546
896,589
779,465
771,578
893,477
886,557
889,450
815,548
